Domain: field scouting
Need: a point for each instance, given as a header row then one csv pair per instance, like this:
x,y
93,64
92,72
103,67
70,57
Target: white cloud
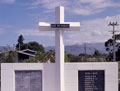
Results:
x,y
8,1
88,7
34,32
80,7
92,31
49,4
85,11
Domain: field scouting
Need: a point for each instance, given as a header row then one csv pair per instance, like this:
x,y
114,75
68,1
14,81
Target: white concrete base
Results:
x,y
49,76
111,74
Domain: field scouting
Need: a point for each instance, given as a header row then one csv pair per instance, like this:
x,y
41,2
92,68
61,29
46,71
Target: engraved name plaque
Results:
x,y
91,80
28,80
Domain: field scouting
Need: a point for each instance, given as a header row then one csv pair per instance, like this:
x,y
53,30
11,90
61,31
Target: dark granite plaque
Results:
x,y
60,25
91,80
28,80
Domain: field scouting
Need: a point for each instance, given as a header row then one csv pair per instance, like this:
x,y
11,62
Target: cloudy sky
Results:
x,y
22,17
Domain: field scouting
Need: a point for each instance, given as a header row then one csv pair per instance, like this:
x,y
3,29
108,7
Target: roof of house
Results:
x,y
27,52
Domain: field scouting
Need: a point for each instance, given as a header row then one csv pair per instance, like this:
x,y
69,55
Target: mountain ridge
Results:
x,y
75,49
78,49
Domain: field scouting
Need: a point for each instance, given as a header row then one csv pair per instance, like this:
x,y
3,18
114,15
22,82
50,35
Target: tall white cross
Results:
x,y
59,27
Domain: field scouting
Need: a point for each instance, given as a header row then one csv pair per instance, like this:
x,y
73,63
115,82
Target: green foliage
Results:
x,y
44,57
86,58
40,57
109,48
8,57
108,45
21,39
119,86
96,53
32,60
66,58
50,56
20,42
12,57
73,58
118,54
33,46
117,36
82,54
2,57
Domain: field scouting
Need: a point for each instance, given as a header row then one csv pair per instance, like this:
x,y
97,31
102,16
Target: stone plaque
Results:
x,y
91,80
28,80
60,26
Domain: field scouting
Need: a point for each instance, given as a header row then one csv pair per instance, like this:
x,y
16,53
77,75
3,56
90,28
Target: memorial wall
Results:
x,y
42,77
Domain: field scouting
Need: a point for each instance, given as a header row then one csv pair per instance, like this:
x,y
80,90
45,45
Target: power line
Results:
x,y
114,40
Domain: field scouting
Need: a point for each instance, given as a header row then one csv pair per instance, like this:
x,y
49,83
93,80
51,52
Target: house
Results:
x,y
25,54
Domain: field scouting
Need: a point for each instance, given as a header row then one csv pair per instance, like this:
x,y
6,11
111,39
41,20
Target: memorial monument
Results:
x,y
59,76
59,27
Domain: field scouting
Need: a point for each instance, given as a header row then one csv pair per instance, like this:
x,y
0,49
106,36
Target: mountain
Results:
x,y
78,49
5,48
73,49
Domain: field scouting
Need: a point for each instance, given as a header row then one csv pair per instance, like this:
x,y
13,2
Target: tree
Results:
x,y
40,57
74,58
66,57
109,47
20,42
8,57
12,57
33,46
118,54
50,55
96,53
32,60
44,57
2,57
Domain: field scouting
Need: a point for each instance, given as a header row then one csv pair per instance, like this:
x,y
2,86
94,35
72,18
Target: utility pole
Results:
x,y
85,48
19,46
114,40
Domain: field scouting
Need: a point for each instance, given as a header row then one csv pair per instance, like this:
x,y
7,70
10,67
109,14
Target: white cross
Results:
x,y
59,43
